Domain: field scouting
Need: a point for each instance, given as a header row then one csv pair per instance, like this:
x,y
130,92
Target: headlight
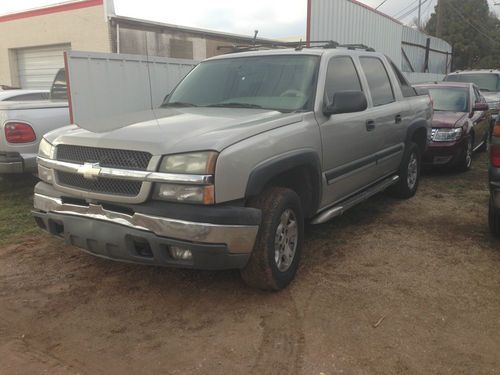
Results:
x,y
446,135
185,193
196,163
45,150
192,163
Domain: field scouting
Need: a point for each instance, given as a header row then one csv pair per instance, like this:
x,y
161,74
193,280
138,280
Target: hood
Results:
x,y
168,131
443,119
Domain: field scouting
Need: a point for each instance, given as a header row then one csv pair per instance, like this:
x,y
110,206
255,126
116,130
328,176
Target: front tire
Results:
x,y
465,159
276,254
494,219
409,173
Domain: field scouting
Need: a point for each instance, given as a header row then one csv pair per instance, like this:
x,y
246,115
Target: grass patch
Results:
x,y
16,202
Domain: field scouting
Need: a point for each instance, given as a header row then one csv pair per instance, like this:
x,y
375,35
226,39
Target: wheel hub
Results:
x,y
412,171
285,240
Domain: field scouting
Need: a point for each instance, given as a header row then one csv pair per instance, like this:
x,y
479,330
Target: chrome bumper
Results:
x,y
239,239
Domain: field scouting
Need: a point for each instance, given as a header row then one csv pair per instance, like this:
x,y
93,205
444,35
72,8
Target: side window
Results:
x,y
406,88
33,96
477,96
378,81
341,76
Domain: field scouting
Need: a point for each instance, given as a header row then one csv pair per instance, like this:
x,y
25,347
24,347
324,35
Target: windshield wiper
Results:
x,y
178,104
234,105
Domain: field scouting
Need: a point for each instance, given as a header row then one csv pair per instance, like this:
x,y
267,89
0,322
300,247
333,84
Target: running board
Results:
x,y
340,208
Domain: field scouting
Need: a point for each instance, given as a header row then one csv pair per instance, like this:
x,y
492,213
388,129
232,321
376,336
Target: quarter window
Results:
x,y
341,76
406,88
378,81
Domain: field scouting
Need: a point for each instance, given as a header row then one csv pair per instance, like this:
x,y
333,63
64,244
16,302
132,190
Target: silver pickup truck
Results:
x,y
245,150
24,118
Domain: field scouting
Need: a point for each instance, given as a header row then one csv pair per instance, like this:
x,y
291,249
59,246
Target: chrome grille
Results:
x,y
101,185
106,157
434,133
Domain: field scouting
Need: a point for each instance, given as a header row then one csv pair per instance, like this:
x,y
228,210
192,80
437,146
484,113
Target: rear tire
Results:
x,y
409,173
494,219
276,254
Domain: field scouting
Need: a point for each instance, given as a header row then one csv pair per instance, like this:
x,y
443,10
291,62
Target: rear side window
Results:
x,y
33,96
341,76
406,88
485,81
378,81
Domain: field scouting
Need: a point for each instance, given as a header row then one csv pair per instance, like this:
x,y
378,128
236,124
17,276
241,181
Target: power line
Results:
x,y
411,10
474,27
401,11
382,3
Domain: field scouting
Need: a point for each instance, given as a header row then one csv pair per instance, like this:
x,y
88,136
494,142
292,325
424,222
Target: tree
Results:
x,y
472,30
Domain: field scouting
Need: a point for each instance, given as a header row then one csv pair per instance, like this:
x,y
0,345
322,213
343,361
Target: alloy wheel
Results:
x,y
412,175
286,240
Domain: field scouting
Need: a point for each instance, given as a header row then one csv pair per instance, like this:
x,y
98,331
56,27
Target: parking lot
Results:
x,y
390,287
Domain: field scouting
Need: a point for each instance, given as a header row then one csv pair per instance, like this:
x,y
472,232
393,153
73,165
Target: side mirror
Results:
x,y
346,102
480,106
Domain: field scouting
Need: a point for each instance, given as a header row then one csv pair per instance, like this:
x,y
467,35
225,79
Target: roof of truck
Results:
x,y
318,51
475,71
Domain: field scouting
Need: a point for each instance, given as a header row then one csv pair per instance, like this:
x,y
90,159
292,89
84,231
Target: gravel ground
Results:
x,y
390,287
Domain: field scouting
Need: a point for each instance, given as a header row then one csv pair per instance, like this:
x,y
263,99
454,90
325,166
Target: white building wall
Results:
x,y
346,22
350,22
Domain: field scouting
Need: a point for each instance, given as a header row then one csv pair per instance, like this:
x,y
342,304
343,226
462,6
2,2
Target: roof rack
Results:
x,y
326,44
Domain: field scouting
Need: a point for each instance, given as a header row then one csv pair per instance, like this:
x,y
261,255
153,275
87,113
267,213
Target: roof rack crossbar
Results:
x,y
326,44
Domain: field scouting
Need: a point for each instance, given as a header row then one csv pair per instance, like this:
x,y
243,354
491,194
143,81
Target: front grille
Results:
x,y
101,185
434,131
106,157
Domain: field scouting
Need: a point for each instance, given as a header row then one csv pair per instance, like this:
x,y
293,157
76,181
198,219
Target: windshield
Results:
x,y
485,81
285,83
449,99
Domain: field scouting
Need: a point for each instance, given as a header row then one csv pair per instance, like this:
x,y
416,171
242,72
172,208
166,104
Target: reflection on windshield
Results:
x,y
449,99
280,82
485,81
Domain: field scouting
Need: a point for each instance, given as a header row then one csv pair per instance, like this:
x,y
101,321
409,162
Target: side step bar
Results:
x,y
340,208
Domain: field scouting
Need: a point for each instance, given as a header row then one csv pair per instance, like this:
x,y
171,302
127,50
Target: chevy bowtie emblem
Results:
x,y
90,171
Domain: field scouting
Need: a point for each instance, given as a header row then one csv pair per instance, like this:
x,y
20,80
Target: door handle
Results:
x,y
398,119
370,125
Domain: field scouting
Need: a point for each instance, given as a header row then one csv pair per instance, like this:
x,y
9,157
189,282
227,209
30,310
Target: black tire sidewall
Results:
x,y
290,200
462,164
494,219
403,190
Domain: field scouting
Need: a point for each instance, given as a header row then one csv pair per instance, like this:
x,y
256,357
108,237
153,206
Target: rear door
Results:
x,y
349,142
391,115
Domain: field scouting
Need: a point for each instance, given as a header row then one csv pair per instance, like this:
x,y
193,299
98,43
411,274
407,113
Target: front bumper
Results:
x,y
15,163
443,153
126,234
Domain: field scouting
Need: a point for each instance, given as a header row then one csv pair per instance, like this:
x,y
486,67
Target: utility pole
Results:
x,y
440,19
419,24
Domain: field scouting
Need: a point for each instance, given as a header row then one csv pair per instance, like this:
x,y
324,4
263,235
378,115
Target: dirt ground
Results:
x,y
390,287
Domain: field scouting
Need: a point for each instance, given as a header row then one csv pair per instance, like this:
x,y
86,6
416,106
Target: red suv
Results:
x,y
460,125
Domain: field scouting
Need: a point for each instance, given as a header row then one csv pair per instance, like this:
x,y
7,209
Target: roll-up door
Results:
x,y
38,66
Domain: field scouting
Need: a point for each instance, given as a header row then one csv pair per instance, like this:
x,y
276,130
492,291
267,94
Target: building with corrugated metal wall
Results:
x,y
420,56
33,41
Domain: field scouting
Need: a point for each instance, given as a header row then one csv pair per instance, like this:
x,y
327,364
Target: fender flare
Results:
x,y
414,127
264,172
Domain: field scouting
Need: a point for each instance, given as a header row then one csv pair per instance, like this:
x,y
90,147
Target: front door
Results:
x,y
349,140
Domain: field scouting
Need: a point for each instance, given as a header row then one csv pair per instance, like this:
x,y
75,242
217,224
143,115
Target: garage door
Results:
x,y
38,66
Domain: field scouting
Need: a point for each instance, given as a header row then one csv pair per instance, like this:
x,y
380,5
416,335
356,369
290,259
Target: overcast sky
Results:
x,y
273,18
